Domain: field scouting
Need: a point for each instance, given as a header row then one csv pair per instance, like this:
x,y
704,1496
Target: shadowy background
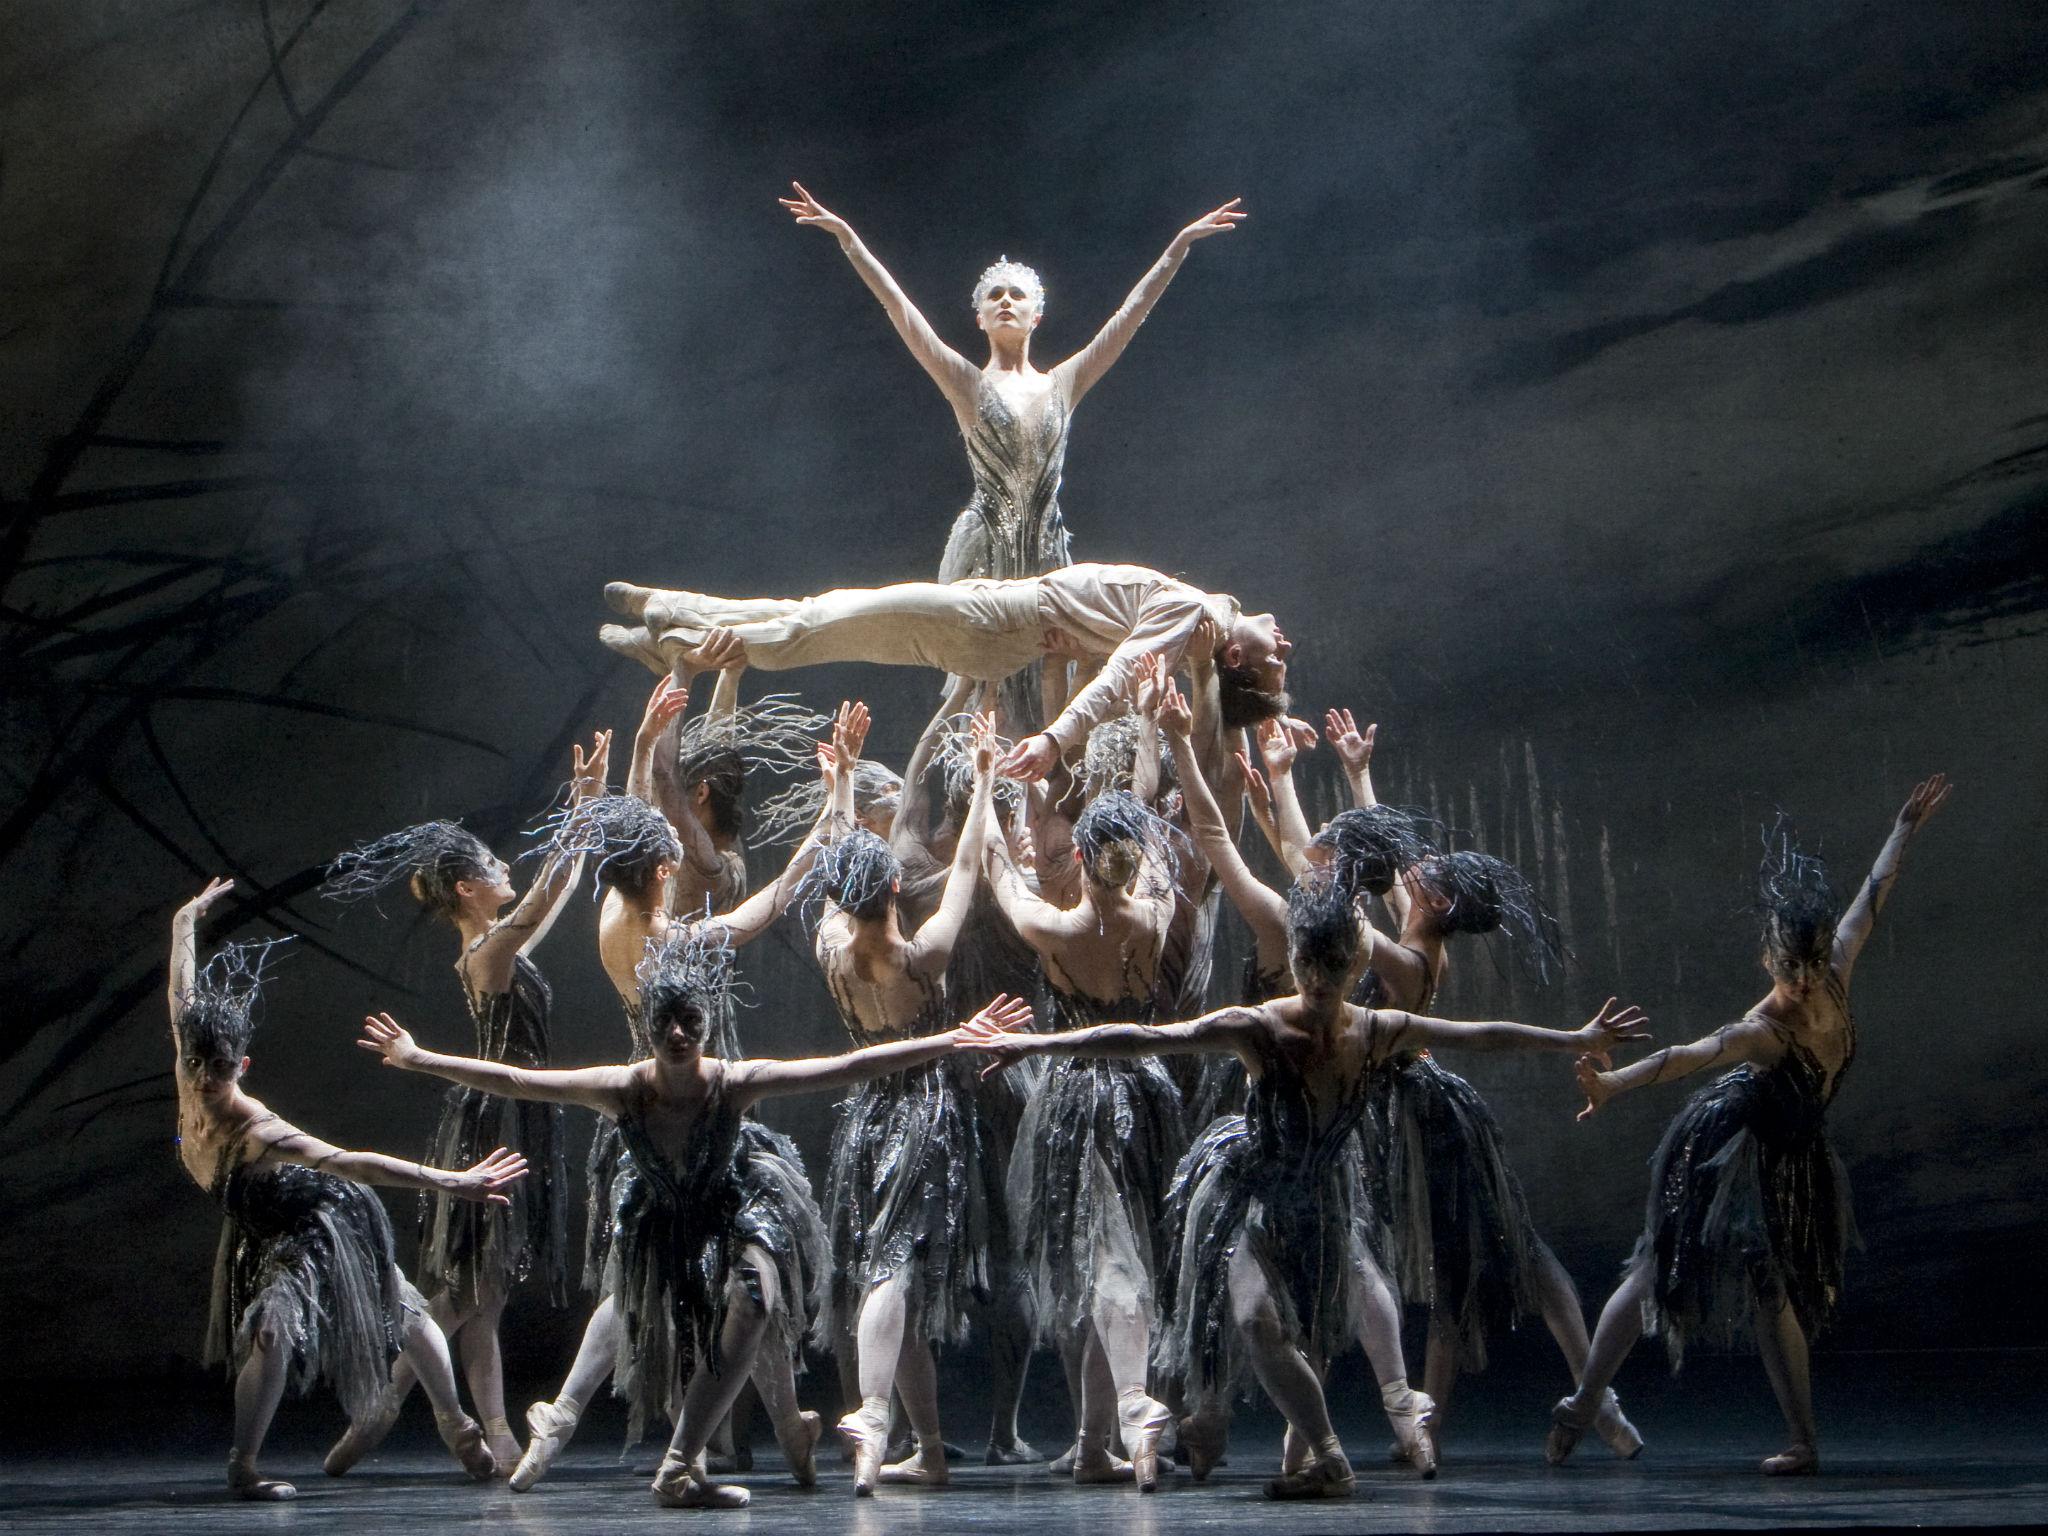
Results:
x,y
1636,409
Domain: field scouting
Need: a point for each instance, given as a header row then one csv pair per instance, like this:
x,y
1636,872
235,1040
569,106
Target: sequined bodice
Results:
x,y
512,1025
1017,454
1298,1141
700,1173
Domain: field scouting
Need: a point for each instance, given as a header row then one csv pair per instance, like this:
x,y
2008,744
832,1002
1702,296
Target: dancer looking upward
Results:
x,y
307,1282
1273,1252
702,1265
470,1259
1749,1208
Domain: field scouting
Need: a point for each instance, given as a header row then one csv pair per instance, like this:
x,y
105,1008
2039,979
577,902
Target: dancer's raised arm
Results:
x,y
669,699
757,1080
598,1088
934,943
1928,797
1263,908
954,375
1088,365
1280,742
1354,752
837,760
488,961
184,966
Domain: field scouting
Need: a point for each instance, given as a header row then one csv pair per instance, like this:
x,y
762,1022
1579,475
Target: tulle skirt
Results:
x,y
1095,1151
312,1257
1748,1203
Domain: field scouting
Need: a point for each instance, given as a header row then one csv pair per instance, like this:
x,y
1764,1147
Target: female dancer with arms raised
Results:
x,y
1749,1209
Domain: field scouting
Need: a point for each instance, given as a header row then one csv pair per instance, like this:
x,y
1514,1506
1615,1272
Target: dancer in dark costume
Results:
x,y
707,1253
306,1283
1273,1233
637,855
1099,1138
472,1257
914,1191
1749,1213
1013,418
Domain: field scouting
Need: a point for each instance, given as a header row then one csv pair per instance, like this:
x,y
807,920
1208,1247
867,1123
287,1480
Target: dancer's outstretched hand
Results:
x,y
1218,222
1594,1082
849,734
216,890
988,745
809,210
587,774
1030,759
389,1039
1353,746
669,699
1002,1029
1611,1027
1176,717
487,1180
1928,796
1256,789
719,651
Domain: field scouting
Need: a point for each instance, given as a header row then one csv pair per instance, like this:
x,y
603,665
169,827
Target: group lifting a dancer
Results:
x,y
1183,1202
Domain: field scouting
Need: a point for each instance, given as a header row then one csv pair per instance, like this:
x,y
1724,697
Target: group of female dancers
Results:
x,y
1045,1133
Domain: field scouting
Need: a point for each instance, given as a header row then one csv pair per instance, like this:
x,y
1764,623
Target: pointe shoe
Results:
x,y
1295,1453
1142,1421
1410,1412
800,1448
1612,1426
245,1482
1017,1453
925,1466
682,1485
465,1437
1794,1461
1328,1476
362,1436
1094,1463
1205,1443
624,597
867,1427
1567,1424
550,1427
504,1446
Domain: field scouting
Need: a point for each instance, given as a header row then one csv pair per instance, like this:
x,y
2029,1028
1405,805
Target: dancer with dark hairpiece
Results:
x,y
470,1259
637,855
307,1282
1099,1139
704,1262
1749,1212
1013,418
914,1191
1275,1247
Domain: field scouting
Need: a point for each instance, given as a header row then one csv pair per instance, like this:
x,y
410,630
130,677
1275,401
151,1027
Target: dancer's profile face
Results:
x,y
1257,641
492,885
1009,307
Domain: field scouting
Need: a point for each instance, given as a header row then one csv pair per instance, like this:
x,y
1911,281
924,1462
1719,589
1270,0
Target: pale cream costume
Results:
x,y
983,630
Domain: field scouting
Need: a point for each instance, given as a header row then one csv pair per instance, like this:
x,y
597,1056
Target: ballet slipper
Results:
x,y
1327,1476
1143,1421
551,1427
363,1435
868,1428
684,1485
799,1442
1567,1423
925,1466
1410,1412
245,1482
1017,1453
1801,1460
1062,1465
1094,1463
1612,1426
1204,1441
465,1437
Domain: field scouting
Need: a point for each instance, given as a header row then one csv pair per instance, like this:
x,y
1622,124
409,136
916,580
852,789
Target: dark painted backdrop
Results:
x,y
1636,408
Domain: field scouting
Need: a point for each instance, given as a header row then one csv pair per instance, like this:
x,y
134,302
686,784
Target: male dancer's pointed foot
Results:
x,y
1410,1412
1801,1460
551,1427
1143,1421
635,642
1612,1426
465,1438
1018,1453
363,1435
925,1466
867,1427
245,1482
1328,1476
685,1485
624,597
1205,1443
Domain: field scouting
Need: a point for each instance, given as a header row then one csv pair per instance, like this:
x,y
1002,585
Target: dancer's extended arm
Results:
x,y
836,761
1279,745
1354,751
488,961
279,1141
1263,908
955,376
1854,929
184,967
1608,1028
1228,1029
757,1080
1088,365
598,1088
933,946
1747,1039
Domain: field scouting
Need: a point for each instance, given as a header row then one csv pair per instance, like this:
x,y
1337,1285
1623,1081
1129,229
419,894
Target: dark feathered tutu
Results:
x,y
311,1255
